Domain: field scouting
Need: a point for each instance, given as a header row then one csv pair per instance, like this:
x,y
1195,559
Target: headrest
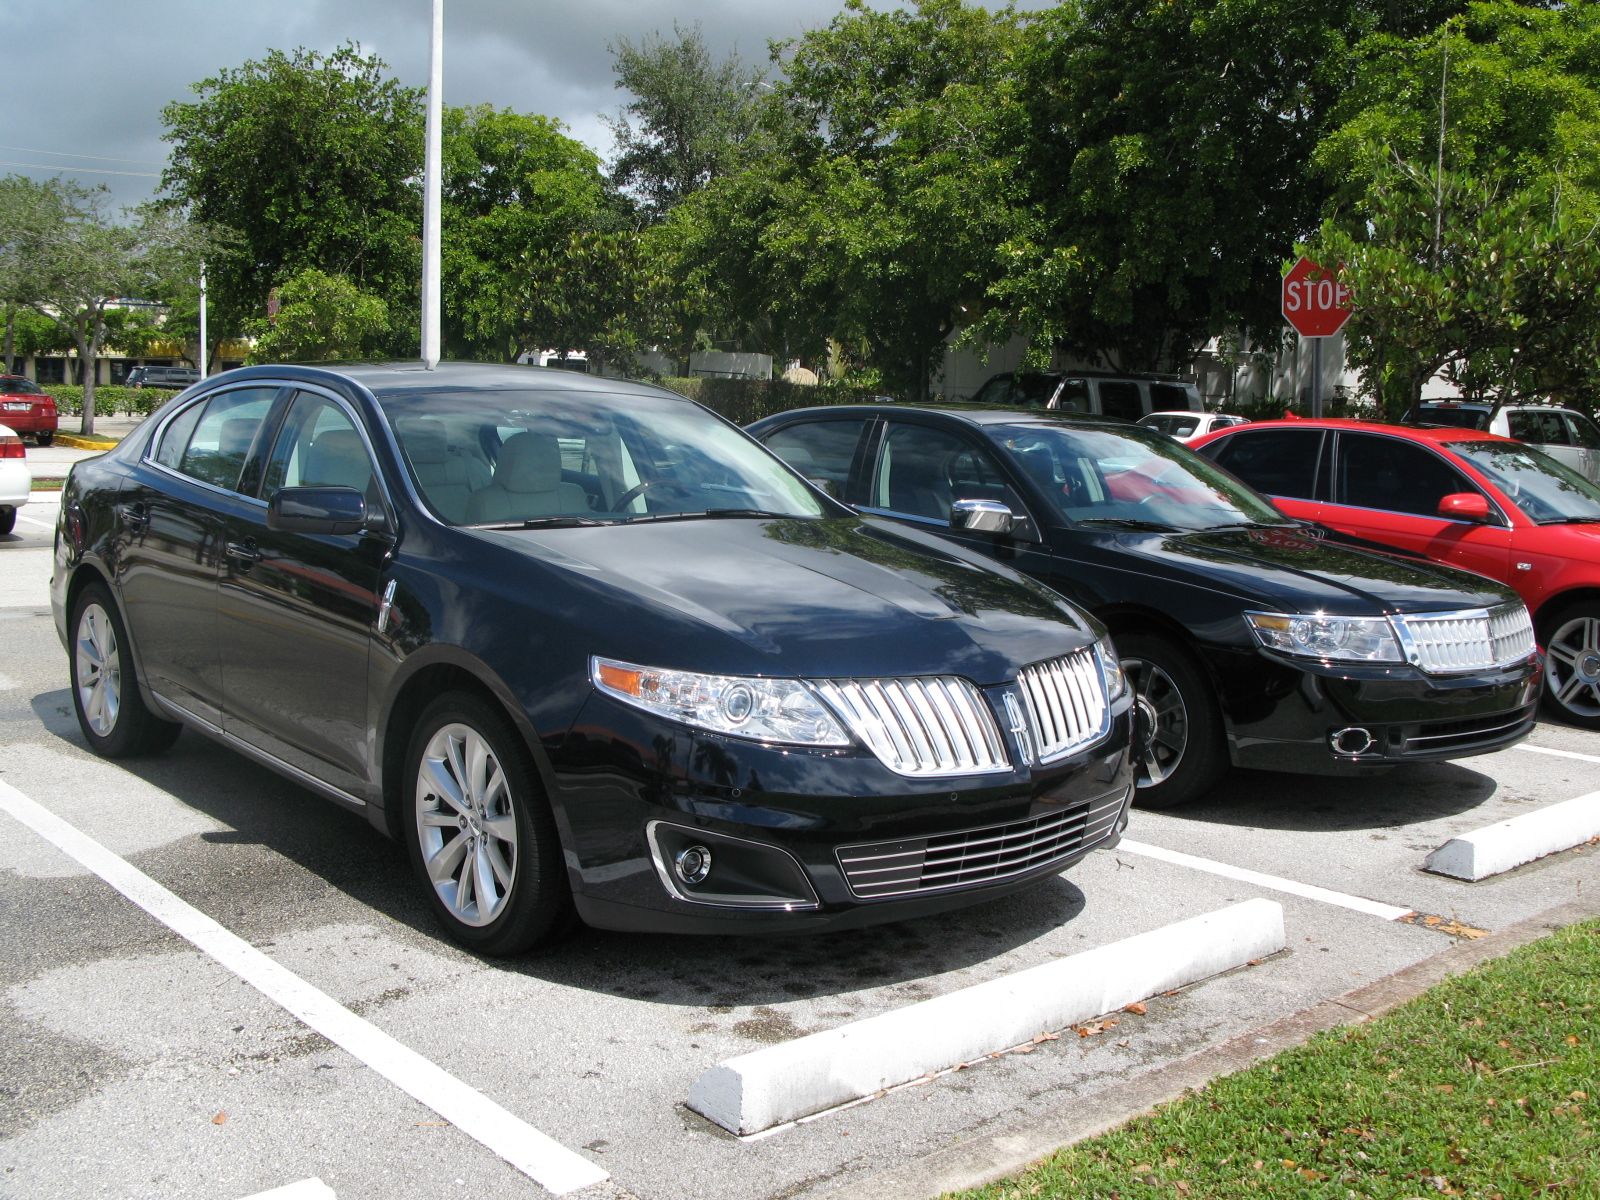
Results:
x,y
423,439
529,462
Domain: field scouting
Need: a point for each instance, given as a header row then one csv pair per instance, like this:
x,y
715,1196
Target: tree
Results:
x,y
320,317
691,119
315,160
76,264
516,192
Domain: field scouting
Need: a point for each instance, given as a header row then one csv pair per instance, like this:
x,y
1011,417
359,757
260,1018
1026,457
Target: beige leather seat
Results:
x,y
446,477
527,483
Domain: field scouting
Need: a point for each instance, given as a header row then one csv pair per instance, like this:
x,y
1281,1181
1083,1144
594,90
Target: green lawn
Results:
x,y
1486,1086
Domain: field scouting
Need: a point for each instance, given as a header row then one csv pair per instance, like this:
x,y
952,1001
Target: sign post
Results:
x,y
1316,305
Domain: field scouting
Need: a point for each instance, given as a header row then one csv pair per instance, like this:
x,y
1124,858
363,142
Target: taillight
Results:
x,y
11,446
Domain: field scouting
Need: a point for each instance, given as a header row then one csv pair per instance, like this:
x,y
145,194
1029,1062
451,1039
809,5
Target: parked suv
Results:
x,y
1122,397
28,409
1565,435
163,377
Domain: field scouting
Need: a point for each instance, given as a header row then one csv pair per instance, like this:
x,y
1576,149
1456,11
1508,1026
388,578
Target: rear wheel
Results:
x,y
1571,639
481,836
105,687
8,518
44,439
1179,756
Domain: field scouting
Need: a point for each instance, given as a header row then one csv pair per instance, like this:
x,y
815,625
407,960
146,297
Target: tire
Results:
x,y
1180,754
517,895
8,518
105,685
1571,640
43,439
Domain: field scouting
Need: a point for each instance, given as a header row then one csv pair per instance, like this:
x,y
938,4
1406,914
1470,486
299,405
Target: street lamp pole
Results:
x,y
203,355
431,193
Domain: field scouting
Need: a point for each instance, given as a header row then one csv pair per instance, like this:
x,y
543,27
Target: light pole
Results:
x,y
431,192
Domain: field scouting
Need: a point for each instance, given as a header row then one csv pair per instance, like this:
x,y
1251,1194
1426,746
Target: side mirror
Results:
x,y
1465,506
317,510
981,516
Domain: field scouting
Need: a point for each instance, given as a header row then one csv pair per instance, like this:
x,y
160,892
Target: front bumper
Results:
x,y
808,840
1296,714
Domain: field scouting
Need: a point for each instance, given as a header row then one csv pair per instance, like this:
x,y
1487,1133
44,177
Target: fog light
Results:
x,y
693,864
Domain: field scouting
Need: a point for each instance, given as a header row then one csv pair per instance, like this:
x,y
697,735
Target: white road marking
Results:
x,y
1594,758
541,1158
306,1189
7,683
1308,891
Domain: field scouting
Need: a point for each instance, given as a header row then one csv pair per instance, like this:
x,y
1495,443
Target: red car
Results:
x,y
27,409
1457,496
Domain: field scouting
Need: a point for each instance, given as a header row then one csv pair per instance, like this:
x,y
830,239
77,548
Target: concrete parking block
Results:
x,y
1506,844
756,1091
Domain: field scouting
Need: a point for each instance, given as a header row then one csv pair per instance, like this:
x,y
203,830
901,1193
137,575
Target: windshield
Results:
x,y
543,457
1549,492
1461,418
1133,477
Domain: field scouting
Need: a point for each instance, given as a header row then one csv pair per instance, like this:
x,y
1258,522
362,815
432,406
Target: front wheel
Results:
x,y
1179,755
1572,664
105,687
480,833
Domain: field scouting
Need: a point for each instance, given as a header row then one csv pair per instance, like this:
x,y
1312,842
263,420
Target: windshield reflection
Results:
x,y
1132,478
1549,492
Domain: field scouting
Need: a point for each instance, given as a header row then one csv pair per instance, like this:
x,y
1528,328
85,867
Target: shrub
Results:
x,y
745,400
109,398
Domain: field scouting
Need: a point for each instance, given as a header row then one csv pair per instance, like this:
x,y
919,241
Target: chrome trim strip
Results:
x,y
762,904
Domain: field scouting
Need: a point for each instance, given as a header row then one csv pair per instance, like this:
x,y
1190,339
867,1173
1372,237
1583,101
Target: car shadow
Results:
x,y
1321,804
261,810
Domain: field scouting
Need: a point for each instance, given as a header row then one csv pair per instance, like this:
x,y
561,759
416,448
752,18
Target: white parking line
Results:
x,y
1594,758
306,1189
541,1158
1307,890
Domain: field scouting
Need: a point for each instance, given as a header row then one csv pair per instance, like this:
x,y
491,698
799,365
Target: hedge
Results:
x,y
109,398
745,400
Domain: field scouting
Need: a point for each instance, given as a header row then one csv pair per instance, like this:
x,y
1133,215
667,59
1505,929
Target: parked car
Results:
x,y
1457,496
1250,639
16,480
28,409
1566,436
162,377
1186,426
1123,397
581,642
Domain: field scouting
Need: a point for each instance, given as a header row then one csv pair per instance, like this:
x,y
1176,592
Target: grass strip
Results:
x,y
1487,1085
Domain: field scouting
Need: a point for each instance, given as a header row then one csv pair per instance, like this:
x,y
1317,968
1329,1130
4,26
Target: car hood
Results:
x,y
1294,569
836,597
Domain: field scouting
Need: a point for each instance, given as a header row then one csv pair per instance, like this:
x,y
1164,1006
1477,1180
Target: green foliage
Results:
x,y
690,121
745,400
314,160
320,318
132,402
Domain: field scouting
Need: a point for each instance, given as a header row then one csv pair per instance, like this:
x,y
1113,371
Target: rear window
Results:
x,y
1455,416
20,387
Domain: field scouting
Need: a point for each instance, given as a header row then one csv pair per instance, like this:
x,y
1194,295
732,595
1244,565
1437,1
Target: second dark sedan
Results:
x,y
1249,638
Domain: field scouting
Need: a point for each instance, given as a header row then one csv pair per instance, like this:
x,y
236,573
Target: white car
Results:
x,y
1566,436
16,481
1186,426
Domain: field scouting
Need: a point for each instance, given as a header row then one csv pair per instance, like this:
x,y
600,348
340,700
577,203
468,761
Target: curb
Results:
x,y
986,1159
78,441
756,1091
1506,844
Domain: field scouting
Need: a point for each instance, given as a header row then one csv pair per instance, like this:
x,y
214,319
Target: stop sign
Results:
x,y
1314,301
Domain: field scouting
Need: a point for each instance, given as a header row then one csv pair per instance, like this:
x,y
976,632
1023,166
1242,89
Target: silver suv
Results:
x,y
162,377
1568,437
1122,397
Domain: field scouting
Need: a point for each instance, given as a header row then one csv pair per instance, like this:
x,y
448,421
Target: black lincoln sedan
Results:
x,y
1248,638
581,643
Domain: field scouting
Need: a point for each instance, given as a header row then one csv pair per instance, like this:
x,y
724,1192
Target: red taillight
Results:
x,y
11,446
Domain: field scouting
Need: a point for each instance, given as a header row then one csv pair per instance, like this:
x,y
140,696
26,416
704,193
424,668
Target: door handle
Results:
x,y
135,516
245,553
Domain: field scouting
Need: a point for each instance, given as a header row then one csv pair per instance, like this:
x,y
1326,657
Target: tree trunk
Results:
x,y
11,339
89,358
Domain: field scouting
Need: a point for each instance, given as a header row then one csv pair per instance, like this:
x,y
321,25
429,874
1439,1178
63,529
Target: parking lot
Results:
x,y
137,1064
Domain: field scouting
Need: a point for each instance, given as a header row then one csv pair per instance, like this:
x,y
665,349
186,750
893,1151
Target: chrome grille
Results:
x,y
1441,643
1066,700
972,857
937,725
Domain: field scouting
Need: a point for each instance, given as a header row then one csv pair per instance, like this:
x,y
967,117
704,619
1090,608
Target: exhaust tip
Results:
x,y
1352,740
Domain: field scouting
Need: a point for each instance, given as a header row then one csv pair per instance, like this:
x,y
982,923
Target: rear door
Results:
x,y
1543,428
1586,438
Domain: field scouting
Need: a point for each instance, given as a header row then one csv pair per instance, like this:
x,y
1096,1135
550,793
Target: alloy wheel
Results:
x,y
1573,661
1163,719
97,662
466,824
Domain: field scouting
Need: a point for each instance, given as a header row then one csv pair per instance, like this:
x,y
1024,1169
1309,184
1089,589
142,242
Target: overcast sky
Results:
x,y
88,78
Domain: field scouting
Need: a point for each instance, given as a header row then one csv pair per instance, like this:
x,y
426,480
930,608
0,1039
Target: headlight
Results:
x,y
1349,639
1111,664
766,710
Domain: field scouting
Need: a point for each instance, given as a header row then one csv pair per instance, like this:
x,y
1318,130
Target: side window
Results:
x,y
1121,401
1073,396
1276,462
1540,428
1395,476
318,446
920,472
820,450
996,392
1583,431
219,440
1168,397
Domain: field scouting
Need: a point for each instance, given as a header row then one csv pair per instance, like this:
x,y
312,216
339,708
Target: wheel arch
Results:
x,y
1554,603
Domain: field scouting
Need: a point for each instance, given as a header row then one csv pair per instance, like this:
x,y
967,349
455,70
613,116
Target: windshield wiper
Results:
x,y
1128,523
708,514
1572,521
545,523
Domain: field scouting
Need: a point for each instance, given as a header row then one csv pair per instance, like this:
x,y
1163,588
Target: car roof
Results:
x,y
968,414
1416,433
392,378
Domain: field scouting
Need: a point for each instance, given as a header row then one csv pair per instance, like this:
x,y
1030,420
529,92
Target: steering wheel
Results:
x,y
638,489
